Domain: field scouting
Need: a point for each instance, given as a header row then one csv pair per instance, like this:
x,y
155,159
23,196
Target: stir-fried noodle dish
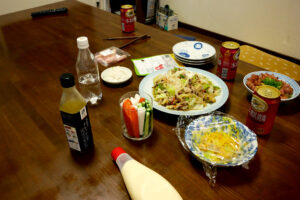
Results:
x,y
180,89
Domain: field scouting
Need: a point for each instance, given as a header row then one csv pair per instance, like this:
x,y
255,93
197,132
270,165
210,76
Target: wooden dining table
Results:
x,y
35,160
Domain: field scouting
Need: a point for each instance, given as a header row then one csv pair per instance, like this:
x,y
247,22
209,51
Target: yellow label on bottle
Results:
x,y
258,104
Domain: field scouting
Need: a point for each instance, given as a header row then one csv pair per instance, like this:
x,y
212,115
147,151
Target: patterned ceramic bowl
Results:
x,y
217,124
291,82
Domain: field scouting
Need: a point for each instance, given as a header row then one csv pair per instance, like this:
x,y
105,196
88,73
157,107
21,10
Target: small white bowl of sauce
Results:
x,y
116,75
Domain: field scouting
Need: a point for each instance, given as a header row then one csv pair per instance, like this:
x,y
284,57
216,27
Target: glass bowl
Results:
x,y
136,111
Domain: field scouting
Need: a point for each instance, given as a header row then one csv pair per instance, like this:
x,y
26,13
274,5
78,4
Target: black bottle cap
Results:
x,y
67,80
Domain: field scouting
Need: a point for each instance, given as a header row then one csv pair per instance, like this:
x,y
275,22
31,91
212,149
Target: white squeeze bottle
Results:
x,y
87,72
142,182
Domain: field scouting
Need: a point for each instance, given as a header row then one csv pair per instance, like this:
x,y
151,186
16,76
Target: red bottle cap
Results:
x,y
116,152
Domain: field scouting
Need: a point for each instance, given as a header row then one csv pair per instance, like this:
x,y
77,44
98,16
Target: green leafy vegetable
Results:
x,y
272,82
160,86
171,90
216,87
181,76
205,86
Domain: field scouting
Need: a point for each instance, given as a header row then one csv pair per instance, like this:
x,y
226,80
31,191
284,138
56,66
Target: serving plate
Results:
x,y
147,84
194,50
291,82
228,125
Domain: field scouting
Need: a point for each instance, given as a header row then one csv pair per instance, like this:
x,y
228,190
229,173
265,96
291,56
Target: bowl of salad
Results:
x,y
289,88
220,140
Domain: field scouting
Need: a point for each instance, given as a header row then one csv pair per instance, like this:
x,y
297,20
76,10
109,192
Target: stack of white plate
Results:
x,y
194,52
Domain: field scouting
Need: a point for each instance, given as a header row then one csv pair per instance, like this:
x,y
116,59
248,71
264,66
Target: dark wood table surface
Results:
x,y
35,160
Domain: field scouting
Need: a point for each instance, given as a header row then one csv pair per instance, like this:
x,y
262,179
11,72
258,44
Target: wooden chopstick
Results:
x,y
123,38
132,41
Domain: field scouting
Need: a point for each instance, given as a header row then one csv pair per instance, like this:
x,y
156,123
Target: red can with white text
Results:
x,y
127,18
228,60
262,112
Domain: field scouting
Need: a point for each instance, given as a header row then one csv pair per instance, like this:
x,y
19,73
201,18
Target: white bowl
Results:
x,y
116,75
282,77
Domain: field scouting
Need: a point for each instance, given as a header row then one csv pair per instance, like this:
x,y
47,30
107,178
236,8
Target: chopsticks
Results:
x,y
132,41
123,38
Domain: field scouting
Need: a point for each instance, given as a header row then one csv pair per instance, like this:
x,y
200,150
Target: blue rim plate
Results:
x,y
231,127
147,84
196,63
282,77
194,50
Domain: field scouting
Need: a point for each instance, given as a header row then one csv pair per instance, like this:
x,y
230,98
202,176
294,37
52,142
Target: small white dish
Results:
x,y
116,75
194,50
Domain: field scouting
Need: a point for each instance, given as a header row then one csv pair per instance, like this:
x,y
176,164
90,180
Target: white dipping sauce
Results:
x,y
116,75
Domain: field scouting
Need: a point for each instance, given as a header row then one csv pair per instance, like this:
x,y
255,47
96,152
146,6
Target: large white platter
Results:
x,y
282,77
194,50
147,84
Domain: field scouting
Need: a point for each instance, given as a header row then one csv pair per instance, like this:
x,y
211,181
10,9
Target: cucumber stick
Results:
x,y
146,126
145,118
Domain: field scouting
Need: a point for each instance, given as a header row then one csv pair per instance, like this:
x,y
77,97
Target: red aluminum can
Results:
x,y
228,60
262,112
127,18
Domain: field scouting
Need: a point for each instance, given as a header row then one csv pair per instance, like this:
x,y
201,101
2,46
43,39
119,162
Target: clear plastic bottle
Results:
x,y
88,73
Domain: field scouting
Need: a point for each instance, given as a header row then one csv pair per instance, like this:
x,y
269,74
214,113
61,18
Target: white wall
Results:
x,y
89,2
272,24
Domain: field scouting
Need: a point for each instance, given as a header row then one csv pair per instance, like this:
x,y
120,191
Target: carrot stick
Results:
x,y
134,121
141,100
131,119
126,115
